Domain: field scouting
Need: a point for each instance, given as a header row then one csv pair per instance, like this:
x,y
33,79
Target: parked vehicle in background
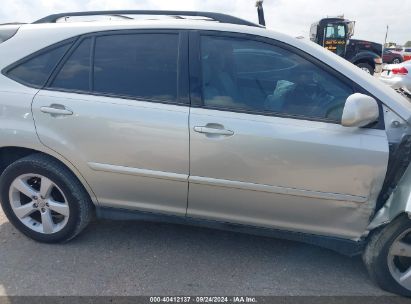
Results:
x,y
335,35
407,54
398,76
212,121
392,57
404,51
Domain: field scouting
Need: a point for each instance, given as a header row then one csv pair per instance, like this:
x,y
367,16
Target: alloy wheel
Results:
x,y
399,259
39,203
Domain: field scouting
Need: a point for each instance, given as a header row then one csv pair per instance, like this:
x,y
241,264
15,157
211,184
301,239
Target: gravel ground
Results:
x,y
139,258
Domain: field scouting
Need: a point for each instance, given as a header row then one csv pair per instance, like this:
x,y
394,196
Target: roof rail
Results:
x,y
223,18
13,23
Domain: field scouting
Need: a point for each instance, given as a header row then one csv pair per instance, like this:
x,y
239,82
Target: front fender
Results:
x,y
398,203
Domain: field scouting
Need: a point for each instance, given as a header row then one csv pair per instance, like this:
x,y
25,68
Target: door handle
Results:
x,y
56,109
214,131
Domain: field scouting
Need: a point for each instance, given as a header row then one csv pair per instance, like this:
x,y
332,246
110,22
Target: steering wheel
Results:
x,y
322,98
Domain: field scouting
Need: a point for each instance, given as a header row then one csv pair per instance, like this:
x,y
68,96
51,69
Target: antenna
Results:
x,y
260,11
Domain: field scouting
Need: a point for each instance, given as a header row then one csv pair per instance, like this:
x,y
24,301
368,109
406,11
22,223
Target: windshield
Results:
x,y
335,31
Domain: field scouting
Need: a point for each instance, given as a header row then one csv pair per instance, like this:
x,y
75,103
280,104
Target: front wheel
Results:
x,y
388,256
366,67
44,200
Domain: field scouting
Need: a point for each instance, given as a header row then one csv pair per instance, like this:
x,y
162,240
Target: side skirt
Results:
x,y
343,246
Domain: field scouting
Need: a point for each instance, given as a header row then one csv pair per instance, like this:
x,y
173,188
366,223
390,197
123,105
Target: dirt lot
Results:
x,y
137,258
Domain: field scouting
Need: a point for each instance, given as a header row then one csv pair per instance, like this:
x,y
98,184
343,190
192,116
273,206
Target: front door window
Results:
x,y
256,77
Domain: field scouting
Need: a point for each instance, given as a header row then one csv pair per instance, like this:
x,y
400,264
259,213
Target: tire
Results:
x,y
63,193
377,255
396,61
366,67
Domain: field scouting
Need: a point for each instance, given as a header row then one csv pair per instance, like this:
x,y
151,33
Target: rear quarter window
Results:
x,y
36,69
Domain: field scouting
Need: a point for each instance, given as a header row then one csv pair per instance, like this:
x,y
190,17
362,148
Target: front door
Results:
x,y
266,144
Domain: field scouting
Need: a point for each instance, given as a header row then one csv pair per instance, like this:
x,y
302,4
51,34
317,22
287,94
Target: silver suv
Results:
x,y
209,121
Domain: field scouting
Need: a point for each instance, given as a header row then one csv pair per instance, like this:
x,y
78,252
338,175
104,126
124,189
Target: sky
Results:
x,y
293,17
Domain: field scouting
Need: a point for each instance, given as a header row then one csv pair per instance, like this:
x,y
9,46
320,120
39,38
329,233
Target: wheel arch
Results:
x,y
365,60
399,57
10,154
364,57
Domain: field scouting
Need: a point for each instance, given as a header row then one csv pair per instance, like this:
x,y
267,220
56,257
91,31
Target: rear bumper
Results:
x,y
397,82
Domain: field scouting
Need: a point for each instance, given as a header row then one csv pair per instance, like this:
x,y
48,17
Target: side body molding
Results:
x,y
138,172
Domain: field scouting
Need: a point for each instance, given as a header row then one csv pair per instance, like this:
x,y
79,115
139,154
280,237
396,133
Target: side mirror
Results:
x,y
350,26
359,111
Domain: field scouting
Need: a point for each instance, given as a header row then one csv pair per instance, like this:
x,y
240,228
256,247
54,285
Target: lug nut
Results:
x,y
35,205
43,210
47,204
35,198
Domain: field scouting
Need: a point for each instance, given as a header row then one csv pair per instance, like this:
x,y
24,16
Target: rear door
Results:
x,y
117,108
266,144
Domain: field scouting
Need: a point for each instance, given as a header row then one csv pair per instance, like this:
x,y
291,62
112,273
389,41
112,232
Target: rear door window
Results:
x,y
36,70
137,65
